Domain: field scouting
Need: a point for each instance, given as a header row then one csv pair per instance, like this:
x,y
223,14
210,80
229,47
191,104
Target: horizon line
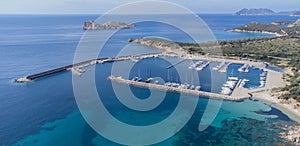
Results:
x,y
98,13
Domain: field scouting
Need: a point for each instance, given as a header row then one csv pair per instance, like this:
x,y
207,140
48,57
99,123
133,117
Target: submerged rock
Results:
x,y
239,132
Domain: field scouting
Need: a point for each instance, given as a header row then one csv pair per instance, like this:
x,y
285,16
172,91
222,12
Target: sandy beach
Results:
x,y
274,80
285,106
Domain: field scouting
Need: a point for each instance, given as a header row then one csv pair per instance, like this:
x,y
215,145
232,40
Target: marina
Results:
x,y
232,90
200,64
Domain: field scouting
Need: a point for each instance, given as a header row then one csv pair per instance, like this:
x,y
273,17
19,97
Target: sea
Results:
x,y
44,112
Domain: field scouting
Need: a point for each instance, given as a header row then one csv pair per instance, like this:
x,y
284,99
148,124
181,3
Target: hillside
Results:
x,y
260,27
280,51
292,30
158,43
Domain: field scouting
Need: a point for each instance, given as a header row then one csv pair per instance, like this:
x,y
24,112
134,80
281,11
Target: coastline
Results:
x,y
292,132
274,80
264,32
289,107
63,121
281,104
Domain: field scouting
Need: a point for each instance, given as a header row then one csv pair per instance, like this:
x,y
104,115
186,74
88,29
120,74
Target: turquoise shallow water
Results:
x,y
44,112
243,112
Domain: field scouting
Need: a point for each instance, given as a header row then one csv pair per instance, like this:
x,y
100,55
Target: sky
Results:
x,y
102,6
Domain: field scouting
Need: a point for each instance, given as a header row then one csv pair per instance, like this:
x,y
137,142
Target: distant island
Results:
x,y
260,11
92,25
279,28
265,11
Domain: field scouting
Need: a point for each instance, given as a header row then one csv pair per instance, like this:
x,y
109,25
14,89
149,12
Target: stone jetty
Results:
x,y
119,79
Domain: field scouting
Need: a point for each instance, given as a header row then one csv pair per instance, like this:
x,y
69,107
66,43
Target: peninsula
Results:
x,y
293,28
92,25
158,43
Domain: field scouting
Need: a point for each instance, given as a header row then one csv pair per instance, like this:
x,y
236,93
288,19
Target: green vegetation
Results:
x,y
283,22
280,51
293,90
271,28
191,48
260,27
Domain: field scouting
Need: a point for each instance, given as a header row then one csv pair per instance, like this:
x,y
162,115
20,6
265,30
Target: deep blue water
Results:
x,y
44,112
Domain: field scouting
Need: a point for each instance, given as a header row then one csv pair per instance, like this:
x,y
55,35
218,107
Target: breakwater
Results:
x,y
76,66
119,79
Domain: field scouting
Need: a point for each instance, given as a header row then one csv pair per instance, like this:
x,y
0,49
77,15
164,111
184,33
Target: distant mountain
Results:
x,y
261,11
265,11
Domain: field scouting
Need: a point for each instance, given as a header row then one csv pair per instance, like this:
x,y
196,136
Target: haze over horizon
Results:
x,y
102,6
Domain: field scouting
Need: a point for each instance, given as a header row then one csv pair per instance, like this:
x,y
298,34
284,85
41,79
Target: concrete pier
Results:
x,y
274,80
172,65
74,67
119,79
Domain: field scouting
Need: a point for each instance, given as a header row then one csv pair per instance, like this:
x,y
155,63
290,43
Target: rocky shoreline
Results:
x,y
292,133
291,108
158,43
292,29
265,32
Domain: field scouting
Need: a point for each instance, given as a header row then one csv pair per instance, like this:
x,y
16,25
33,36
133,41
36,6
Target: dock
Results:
x,y
172,65
223,68
244,68
121,80
274,80
75,68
